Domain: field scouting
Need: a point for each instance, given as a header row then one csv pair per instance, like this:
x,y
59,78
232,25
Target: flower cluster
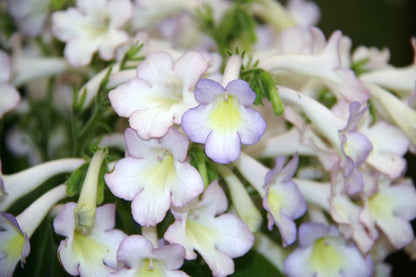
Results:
x,y
171,138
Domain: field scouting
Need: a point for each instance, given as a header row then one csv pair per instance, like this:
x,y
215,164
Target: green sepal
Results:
x,y
263,83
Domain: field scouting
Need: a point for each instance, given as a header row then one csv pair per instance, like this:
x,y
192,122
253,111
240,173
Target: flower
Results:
x,y
154,176
88,254
142,259
203,226
94,25
282,200
19,184
16,231
9,97
324,253
223,120
29,15
161,93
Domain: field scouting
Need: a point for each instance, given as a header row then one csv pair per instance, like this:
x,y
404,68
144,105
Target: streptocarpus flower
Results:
x,y
15,232
391,208
217,236
161,93
9,97
154,176
142,259
223,119
94,25
283,201
18,184
93,253
324,253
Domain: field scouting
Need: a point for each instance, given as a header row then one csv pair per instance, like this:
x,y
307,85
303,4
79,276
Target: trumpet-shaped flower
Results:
x,y
161,93
94,25
324,253
15,244
283,201
390,209
18,184
142,259
9,97
154,176
223,120
15,232
203,226
91,254
340,80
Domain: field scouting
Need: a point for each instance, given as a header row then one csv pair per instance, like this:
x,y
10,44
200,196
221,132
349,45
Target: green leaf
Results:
x,y
327,98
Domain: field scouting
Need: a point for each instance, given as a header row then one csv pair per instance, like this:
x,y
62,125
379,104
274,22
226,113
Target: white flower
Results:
x,y
94,25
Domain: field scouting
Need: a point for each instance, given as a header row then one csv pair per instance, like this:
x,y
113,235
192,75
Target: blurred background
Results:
x,y
378,23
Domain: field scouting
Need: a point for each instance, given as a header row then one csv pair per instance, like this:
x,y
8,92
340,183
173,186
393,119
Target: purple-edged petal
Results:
x,y
149,206
128,98
253,128
133,249
5,67
194,123
176,143
9,98
155,68
182,193
213,200
207,90
125,181
189,68
171,255
140,148
242,91
222,146
107,216
64,222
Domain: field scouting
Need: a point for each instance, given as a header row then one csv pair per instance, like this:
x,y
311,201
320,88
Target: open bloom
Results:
x,y
217,236
154,176
9,97
283,200
142,259
95,25
324,253
91,254
161,93
16,231
223,120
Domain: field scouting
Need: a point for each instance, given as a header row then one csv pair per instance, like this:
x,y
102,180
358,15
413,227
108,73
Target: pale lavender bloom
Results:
x,y
9,97
305,13
93,253
94,25
16,231
324,65
283,200
154,176
161,93
391,208
141,259
324,253
223,119
203,226
15,244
